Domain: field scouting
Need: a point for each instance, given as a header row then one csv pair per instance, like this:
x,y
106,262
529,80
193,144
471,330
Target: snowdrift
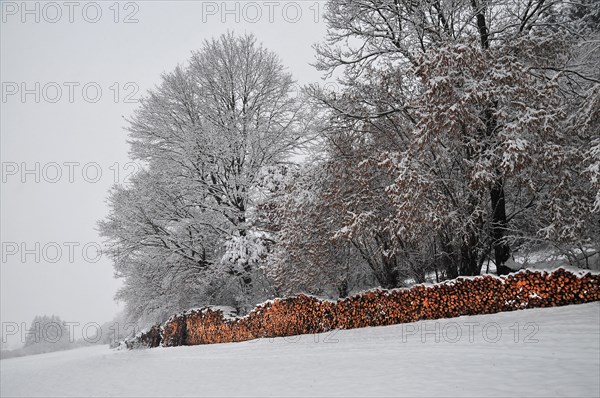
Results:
x,y
307,315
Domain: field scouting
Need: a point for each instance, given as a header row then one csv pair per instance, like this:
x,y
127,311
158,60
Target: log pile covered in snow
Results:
x,y
305,315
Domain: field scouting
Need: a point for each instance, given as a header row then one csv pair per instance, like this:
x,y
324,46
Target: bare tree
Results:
x,y
476,104
205,135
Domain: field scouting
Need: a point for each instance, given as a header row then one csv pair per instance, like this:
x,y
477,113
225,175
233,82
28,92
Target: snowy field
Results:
x,y
539,352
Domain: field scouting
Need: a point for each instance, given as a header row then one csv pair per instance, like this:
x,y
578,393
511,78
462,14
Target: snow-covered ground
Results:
x,y
540,352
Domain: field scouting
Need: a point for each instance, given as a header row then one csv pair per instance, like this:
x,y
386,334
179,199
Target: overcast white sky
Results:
x,y
73,131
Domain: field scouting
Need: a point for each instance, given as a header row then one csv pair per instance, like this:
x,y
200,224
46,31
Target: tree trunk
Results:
x,y
389,276
469,265
499,224
448,260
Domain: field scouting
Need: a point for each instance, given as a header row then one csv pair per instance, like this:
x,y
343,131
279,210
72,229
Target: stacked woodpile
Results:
x,y
305,315
151,338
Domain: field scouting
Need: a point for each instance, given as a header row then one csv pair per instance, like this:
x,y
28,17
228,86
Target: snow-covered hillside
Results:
x,y
538,352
